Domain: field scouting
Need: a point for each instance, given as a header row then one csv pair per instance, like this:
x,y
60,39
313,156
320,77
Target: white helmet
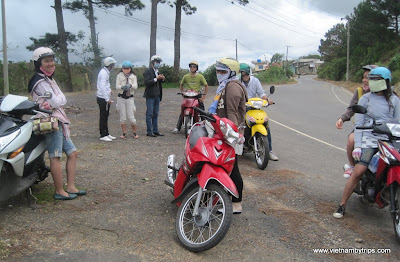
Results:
x,y
155,58
41,52
109,60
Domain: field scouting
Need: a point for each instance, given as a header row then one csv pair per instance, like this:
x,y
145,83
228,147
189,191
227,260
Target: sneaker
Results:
x,y
348,170
105,138
272,156
111,137
175,131
339,212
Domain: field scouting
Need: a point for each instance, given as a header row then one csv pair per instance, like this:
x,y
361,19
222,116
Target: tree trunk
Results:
x,y
153,28
93,36
177,39
62,39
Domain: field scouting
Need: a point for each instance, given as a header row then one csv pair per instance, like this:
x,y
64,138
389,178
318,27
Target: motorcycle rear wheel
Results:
x,y
262,155
188,124
395,205
210,227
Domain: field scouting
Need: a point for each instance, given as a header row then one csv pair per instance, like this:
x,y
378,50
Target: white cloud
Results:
x,y
263,28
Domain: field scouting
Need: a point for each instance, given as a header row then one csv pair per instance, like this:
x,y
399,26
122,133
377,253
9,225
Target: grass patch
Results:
x,y
4,248
44,193
96,146
170,85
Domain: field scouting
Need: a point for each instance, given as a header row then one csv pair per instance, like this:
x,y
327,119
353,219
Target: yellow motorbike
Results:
x,y
257,130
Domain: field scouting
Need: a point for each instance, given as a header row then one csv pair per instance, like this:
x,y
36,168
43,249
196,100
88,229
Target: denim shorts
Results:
x,y
56,143
366,155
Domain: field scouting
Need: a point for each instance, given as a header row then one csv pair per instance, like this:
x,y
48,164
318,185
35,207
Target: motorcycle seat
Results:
x,y
197,132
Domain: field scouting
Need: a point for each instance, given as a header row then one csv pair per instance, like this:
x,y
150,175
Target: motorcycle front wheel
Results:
x,y
262,153
202,232
188,124
395,206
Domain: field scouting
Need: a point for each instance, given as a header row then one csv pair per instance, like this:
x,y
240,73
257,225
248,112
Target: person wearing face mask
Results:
x,y
57,141
230,102
381,103
348,168
104,98
153,94
126,82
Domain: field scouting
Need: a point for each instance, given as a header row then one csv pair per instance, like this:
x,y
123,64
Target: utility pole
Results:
x,y
236,50
287,51
348,48
5,59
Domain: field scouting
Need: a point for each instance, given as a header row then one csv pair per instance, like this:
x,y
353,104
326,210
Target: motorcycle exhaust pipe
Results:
x,y
171,170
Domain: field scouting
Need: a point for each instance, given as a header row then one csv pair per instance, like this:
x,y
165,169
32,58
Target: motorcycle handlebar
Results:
x,y
207,115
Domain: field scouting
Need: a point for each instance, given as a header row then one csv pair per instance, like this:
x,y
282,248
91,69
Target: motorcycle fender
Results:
x,y
36,152
188,111
17,163
191,184
218,174
393,175
260,129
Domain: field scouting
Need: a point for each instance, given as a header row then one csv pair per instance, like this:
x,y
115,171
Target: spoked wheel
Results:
x,y
395,209
188,124
208,228
262,153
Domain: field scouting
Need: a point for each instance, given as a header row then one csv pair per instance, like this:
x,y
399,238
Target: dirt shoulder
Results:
x,y
127,214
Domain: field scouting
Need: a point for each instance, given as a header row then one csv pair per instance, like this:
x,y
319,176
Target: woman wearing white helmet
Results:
x,y
126,82
104,98
58,141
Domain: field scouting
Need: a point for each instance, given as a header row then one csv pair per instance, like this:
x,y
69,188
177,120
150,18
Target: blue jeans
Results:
x,y
56,143
269,139
153,107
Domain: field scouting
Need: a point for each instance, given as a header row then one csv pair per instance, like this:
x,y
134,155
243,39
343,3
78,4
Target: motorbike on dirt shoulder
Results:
x,y
380,183
21,150
189,102
201,185
257,129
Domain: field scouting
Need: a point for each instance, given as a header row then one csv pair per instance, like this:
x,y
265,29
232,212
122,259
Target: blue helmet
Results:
x,y
380,72
127,64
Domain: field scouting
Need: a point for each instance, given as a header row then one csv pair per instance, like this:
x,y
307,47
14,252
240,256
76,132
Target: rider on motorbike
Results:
x,y
192,81
382,105
254,89
230,102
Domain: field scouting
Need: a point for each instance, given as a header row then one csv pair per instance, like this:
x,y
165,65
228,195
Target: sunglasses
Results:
x,y
222,72
193,66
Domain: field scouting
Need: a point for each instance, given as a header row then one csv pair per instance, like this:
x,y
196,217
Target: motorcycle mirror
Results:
x,y
359,109
47,95
272,90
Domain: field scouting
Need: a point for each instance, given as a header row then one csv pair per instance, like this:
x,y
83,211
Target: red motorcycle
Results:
x,y
202,185
380,183
189,102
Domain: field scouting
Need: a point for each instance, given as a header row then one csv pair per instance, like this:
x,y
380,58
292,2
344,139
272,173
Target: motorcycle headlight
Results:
x,y
394,129
6,140
231,136
257,104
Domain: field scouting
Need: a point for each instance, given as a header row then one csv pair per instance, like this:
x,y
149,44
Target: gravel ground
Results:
x,y
127,214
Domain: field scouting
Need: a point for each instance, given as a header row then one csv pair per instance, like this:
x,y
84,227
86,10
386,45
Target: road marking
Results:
x,y
301,133
338,97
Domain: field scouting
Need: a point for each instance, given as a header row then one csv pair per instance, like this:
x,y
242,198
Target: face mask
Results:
x,y
48,73
377,85
222,77
156,65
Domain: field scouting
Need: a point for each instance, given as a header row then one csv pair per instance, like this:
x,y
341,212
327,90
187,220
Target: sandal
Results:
x,y
123,135
134,135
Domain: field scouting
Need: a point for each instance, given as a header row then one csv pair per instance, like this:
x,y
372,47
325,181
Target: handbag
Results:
x,y
44,125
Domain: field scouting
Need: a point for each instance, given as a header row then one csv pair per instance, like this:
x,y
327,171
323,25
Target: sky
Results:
x,y
218,28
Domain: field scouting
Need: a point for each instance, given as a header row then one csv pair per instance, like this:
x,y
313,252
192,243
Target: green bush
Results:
x,y
335,70
394,63
274,74
211,76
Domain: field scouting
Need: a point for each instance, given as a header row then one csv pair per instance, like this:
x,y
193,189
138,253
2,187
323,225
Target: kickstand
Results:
x,y
29,194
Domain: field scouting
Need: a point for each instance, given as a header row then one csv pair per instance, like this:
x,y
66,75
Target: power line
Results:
x,y
271,21
158,26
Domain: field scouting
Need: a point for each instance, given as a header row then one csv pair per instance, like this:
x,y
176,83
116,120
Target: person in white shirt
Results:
x,y
254,89
104,98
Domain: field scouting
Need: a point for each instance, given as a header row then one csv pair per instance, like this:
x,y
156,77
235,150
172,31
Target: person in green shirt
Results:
x,y
192,81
